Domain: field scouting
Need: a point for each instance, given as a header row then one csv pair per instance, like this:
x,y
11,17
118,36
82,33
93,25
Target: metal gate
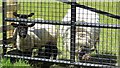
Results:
x,y
56,31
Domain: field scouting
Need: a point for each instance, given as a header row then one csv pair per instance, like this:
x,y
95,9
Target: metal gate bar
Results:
x,y
73,31
94,10
4,41
84,24
73,27
62,61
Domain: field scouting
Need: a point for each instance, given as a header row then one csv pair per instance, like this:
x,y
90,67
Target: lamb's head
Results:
x,y
84,42
22,27
82,37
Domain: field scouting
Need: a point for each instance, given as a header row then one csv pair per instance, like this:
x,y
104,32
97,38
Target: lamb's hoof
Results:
x,y
86,57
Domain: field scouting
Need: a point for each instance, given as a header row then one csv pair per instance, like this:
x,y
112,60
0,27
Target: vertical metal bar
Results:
x,y
118,46
11,7
4,28
73,28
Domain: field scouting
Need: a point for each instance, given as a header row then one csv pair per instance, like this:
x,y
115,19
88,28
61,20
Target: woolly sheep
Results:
x,y
31,36
86,37
36,38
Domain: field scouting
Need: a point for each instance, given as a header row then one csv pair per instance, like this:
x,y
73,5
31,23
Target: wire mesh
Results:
x,y
58,32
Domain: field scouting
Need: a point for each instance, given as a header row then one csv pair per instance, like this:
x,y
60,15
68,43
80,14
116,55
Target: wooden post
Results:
x,y
11,7
118,48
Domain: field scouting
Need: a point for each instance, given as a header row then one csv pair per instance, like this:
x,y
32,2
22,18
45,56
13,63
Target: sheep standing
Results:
x,y
34,36
86,37
37,36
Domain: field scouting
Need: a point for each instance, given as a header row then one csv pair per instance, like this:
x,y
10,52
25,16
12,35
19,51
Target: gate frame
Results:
x,y
6,12
73,27
118,54
73,31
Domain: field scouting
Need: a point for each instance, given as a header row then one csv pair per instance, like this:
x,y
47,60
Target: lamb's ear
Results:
x,y
14,24
15,14
31,14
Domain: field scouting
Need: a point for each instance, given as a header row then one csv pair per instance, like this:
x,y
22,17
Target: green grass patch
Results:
x,y
5,63
47,11
0,18
0,2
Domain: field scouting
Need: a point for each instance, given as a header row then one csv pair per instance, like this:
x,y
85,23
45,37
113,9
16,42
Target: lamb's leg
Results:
x,y
55,51
48,51
40,53
97,41
47,55
84,54
43,54
80,54
27,53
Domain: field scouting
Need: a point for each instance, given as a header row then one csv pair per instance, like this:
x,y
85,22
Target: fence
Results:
x,y
83,35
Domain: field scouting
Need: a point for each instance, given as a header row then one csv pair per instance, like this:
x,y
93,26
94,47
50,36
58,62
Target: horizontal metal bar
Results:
x,y
61,61
68,23
92,9
98,25
6,46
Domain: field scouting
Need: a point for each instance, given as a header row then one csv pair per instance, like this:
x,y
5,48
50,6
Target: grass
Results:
x,y
47,11
0,2
5,63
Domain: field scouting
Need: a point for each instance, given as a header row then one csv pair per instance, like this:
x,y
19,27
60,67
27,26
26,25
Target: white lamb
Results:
x,y
86,37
